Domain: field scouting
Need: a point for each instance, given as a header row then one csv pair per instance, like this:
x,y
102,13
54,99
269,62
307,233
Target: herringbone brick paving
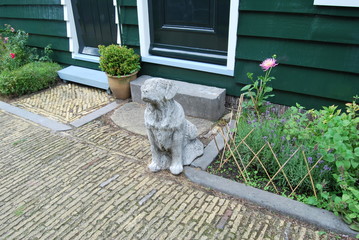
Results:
x,y
65,102
92,183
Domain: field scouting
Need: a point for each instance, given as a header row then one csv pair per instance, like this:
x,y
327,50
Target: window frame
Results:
x,y
337,3
144,33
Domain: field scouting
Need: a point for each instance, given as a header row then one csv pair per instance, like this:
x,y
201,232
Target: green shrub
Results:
x,y
29,78
118,60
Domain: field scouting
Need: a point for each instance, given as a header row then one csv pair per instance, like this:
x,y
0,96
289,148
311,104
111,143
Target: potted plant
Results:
x,y
121,64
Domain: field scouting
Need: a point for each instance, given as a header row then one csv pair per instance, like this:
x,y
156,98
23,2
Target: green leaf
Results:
x,y
356,150
245,88
319,186
311,201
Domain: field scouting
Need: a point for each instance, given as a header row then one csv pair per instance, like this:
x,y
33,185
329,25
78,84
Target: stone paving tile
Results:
x,y
65,102
89,184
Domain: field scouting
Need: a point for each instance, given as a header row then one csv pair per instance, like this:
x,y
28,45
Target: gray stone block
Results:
x,y
197,100
85,76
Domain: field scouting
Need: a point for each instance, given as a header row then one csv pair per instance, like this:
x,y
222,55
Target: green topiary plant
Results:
x,y
118,60
29,78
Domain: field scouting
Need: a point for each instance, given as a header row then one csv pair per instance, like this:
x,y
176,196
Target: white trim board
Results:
x,y
338,3
72,34
143,25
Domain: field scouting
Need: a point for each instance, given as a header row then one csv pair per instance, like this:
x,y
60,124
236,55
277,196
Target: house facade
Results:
x,y
209,42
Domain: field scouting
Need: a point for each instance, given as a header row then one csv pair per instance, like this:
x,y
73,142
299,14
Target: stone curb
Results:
x,y
316,216
96,114
43,121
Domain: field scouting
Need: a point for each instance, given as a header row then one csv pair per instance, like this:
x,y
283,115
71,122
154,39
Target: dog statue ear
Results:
x,y
171,91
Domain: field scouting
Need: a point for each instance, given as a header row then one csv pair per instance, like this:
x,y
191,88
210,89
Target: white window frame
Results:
x,y
338,3
72,33
144,31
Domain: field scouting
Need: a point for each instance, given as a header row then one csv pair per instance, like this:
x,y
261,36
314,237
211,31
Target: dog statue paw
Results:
x,y
173,139
176,169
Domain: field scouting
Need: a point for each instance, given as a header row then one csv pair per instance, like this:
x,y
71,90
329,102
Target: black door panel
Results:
x,y
95,24
190,29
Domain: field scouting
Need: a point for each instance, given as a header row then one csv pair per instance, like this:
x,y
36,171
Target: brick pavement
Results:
x,y
92,183
65,102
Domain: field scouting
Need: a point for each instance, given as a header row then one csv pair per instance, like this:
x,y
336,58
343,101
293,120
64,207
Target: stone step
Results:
x,y
85,76
197,100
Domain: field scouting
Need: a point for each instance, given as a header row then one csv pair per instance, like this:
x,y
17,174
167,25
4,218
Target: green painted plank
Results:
x,y
39,27
130,35
132,3
337,57
302,27
296,6
233,89
307,101
310,81
32,12
30,2
65,58
57,43
129,15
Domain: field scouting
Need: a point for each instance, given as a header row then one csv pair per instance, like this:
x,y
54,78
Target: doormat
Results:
x,y
65,102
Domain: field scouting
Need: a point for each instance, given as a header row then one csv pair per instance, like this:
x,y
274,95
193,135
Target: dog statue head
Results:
x,y
158,90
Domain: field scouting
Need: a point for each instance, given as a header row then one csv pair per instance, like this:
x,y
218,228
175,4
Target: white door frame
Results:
x,y
144,31
72,33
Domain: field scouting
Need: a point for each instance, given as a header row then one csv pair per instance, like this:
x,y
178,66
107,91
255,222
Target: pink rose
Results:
x,y
268,63
12,55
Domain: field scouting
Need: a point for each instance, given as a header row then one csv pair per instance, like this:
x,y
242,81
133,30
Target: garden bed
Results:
x,y
309,156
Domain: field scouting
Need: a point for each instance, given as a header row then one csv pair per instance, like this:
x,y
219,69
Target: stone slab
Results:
x,y
85,76
313,215
92,116
197,100
43,121
130,116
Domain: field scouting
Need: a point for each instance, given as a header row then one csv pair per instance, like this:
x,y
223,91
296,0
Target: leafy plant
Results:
x,y
258,91
118,60
29,78
336,137
14,51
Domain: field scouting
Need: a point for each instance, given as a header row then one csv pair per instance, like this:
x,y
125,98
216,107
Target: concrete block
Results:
x,y
85,76
197,100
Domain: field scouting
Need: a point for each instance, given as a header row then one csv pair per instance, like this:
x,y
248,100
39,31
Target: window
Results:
x,y
338,3
153,52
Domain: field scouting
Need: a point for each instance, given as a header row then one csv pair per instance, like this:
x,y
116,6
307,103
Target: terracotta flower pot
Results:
x,y
120,86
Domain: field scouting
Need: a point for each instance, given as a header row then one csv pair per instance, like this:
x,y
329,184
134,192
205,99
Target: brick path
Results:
x,y
92,183
65,102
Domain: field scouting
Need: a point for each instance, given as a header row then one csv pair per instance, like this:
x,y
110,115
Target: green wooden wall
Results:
x,y
44,21
317,47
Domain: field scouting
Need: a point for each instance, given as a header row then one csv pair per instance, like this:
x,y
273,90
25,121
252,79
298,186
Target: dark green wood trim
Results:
x,y
131,3
30,2
130,35
296,6
48,12
300,26
129,15
329,56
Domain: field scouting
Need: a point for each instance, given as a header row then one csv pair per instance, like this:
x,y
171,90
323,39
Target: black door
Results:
x,y
190,29
95,24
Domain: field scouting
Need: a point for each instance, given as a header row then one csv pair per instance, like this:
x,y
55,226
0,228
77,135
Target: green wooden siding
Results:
x,y
44,21
317,48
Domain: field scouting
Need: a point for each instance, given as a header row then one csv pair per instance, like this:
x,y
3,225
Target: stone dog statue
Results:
x,y
172,137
